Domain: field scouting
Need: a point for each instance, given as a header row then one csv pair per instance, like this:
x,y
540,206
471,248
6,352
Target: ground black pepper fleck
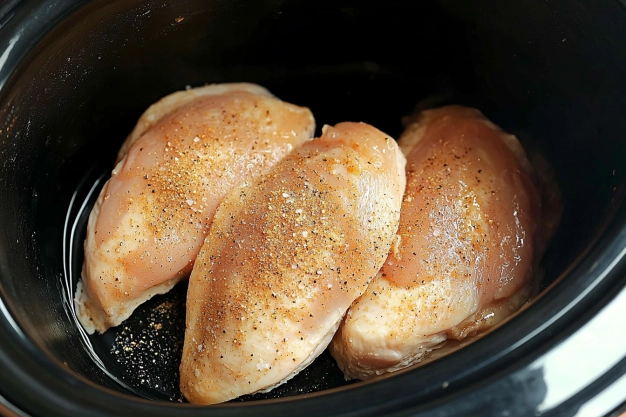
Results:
x,y
148,346
147,349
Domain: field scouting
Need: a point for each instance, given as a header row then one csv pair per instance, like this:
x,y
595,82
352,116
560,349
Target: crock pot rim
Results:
x,y
41,389
20,31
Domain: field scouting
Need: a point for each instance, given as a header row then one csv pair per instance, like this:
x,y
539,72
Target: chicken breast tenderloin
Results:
x,y
150,219
466,250
286,256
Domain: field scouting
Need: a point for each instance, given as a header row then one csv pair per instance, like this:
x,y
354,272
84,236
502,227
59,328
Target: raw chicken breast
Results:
x,y
171,102
151,218
286,256
466,249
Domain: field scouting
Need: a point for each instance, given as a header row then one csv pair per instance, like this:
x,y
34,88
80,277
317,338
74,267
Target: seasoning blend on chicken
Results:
x,y
150,220
286,256
466,249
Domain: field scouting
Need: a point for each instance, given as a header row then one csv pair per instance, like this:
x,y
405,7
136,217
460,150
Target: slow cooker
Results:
x,y
76,74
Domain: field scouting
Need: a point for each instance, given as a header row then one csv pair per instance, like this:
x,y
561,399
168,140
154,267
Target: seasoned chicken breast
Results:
x,y
467,247
286,256
150,219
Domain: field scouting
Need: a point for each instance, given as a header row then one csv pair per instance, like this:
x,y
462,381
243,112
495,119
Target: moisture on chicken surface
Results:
x,y
187,151
286,256
468,245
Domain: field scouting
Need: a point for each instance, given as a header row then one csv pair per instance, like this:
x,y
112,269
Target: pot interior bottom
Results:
x,y
143,353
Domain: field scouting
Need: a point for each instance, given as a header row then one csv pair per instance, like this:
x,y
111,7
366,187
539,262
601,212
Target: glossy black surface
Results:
x,y
74,77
